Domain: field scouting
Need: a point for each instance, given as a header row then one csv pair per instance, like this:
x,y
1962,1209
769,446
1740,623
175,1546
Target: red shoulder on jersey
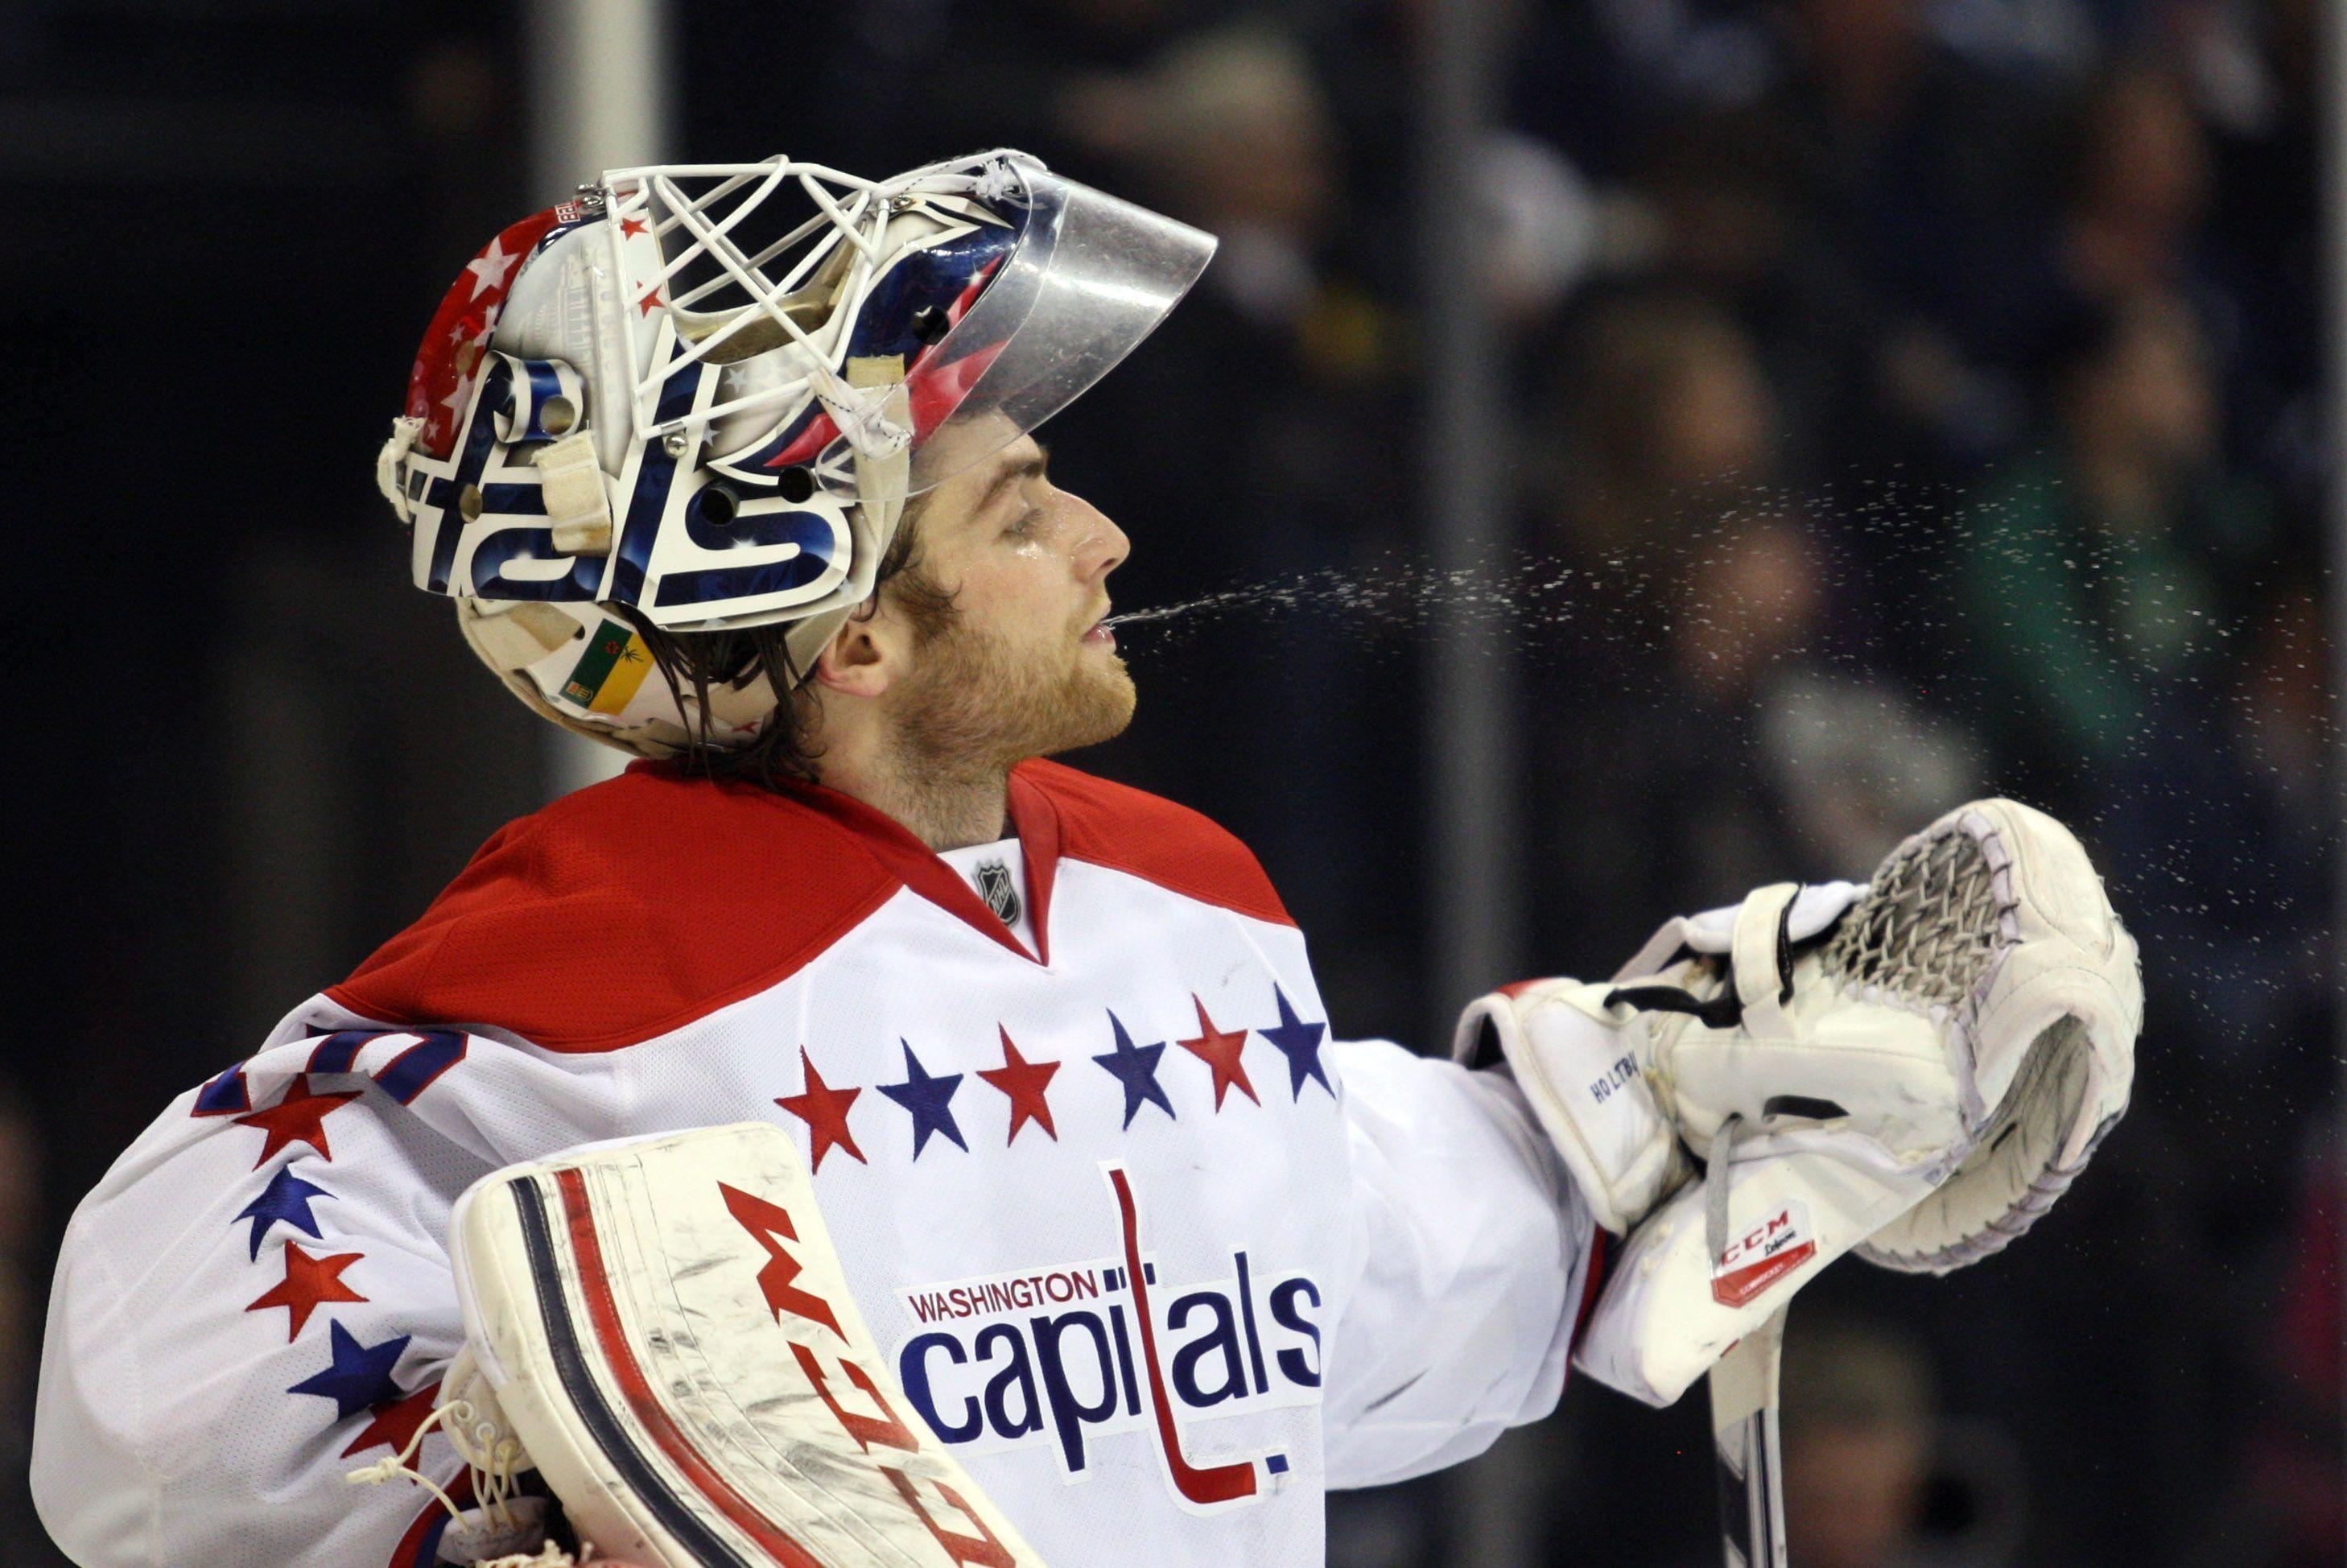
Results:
x,y
624,910
1130,830
634,906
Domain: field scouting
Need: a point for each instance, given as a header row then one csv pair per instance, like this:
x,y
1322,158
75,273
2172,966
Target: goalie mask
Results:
x,y
707,392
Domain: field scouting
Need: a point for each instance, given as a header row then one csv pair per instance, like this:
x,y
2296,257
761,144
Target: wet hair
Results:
x,y
784,749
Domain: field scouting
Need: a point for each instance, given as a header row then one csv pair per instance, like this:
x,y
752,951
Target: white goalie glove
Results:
x,y
1915,1070
659,1327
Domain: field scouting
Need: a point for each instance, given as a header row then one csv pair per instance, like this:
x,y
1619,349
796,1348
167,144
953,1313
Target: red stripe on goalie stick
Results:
x,y
1213,1484
594,1280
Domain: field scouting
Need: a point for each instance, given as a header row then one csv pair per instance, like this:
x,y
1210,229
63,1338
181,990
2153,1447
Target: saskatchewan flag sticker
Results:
x,y
606,677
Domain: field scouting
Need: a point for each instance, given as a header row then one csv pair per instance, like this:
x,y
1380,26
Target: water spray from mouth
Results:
x,y
1393,594
1684,570
1860,685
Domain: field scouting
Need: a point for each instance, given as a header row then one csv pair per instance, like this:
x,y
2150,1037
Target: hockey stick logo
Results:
x,y
1200,1487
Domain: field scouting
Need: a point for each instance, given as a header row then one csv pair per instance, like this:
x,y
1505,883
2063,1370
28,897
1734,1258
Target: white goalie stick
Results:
x,y
1743,1391
1745,1384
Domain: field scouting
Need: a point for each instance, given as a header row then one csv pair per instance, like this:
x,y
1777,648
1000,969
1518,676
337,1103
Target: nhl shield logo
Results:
x,y
1001,895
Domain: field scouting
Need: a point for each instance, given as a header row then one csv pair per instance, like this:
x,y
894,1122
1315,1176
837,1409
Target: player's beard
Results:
x,y
980,703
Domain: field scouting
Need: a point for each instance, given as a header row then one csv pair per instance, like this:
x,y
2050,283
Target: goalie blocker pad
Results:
x,y
667,1331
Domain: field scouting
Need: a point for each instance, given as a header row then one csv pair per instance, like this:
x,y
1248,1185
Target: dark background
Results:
x,y
1902,400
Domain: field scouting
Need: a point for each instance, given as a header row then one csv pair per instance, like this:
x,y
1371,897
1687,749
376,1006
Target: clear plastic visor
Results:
x,y
1090,277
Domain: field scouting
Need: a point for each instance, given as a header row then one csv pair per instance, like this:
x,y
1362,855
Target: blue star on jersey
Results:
x,y
359,1376
1300,1043
1135,1068
285,1201
927,1099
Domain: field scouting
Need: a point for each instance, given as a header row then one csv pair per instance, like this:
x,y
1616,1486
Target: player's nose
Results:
x,y
1100,546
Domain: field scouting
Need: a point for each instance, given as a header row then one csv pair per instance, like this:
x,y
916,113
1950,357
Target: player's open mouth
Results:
x,y
1100,633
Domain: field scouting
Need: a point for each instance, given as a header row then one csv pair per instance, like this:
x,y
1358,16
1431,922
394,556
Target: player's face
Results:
x,y
1026,667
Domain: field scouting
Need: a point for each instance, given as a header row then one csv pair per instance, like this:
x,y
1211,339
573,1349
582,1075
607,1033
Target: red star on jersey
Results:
x,y
298,1117
395,1423
308,1282
1024,1081
1219,1049
825,1111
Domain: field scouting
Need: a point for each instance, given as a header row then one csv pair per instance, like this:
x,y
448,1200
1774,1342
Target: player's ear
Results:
x,y
865,656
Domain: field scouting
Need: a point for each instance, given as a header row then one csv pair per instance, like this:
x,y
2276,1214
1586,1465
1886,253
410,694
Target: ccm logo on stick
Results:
x,y
1763,1256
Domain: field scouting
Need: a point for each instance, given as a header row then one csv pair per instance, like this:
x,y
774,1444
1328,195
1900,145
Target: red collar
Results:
x,y
1032,818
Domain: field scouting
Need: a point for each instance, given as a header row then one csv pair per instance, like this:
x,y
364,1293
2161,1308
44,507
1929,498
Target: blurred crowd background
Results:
x,y
1899,400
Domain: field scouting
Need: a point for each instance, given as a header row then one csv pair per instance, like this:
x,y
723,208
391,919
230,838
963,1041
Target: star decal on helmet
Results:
x,y
491,267
468,314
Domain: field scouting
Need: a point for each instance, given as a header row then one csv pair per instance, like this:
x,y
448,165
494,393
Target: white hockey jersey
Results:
x,y
1359,1264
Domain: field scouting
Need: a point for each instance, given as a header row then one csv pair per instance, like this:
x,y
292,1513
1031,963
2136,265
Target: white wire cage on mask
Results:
x,y
706,392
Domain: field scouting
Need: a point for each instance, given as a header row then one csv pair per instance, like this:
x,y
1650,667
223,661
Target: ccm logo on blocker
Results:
x,y
1071,1353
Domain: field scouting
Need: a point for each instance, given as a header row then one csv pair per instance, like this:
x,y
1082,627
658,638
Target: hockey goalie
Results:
x,y
849,1138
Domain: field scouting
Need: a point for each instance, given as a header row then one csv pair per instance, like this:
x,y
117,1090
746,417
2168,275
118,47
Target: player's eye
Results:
x,y
1024,527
